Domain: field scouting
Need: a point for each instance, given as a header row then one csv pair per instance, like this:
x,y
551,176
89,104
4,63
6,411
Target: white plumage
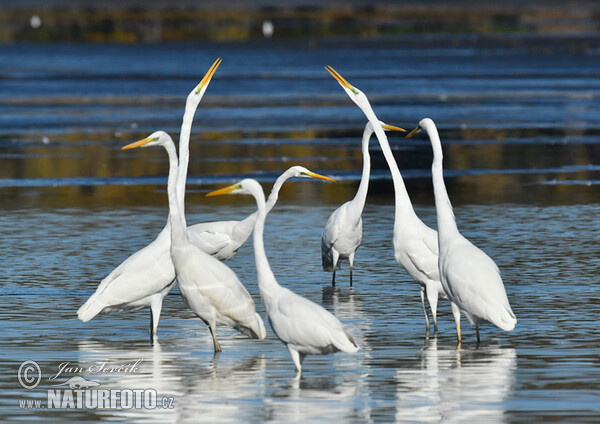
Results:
x,y
227,237
415,244
147,276
303,326
209,287
342,234
469,276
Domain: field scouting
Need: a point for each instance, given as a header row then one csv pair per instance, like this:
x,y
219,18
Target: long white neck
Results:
x,y
404,207
266,279
361,194
247,225
274,195
445,216
176,214
184,147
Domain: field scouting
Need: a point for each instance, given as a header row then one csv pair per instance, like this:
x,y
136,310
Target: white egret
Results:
x,y
415,244
147,276
469,276
209,287
226,237
303,326
342,234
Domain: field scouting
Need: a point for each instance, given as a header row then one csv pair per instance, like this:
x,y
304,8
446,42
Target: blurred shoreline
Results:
x,y
135,21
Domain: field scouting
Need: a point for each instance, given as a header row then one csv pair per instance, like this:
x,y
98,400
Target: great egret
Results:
x,y
147,276
415,244
303,326
469,276
227,237
342,234
209,287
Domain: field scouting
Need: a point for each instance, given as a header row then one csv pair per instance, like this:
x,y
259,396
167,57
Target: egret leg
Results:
x,y
213,333
424,309
432,298
456,313
155,309
351,260
477,330
335,257
296,358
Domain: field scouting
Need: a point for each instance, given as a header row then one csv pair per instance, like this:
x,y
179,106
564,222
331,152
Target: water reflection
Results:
x,y
456,385
227,389
155,369
347,306
306,399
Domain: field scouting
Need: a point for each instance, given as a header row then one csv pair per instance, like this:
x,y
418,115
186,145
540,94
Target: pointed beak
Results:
x,y
413,132
340,79
208,76
392,128
320,177
135,144
223,191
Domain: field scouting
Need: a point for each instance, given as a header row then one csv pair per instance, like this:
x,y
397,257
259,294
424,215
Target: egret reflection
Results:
x,y
456,385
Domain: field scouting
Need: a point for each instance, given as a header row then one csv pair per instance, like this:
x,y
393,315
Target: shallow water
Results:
x,y
519,126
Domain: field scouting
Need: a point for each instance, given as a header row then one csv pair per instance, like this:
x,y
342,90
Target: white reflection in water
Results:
x,y
456,385
157,370
307,399
224,390
347,307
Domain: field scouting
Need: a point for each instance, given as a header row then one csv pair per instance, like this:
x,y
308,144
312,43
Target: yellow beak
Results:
x,y
208,75
320,177
392,128
413,132
223,191
135,144
340,79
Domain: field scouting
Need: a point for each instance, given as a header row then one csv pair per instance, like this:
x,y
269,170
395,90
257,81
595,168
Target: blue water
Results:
x,y
519,121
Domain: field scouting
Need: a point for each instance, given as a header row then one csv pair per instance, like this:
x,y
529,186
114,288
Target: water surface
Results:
x,y
519,125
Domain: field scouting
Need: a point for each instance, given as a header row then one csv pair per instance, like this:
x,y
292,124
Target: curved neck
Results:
x,y
184,148
403,204
176,215
266,279
274,195
443,207
361,194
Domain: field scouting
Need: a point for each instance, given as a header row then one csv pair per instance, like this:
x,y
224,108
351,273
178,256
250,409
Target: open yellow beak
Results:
x,y
392,128
413,132
340,79
223,191
139,143
319,176
208,75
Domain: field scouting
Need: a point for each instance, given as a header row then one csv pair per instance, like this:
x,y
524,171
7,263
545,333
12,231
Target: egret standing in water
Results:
x,y
469,276
342,234
147,276
303,326
208,286
226,237
415,244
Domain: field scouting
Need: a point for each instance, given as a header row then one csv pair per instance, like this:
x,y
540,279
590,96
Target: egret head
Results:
x,y
158,138
302,172
424,124
246,186
197,93
354,93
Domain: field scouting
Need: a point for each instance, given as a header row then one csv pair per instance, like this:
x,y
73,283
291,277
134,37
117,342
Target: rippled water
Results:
x,y
519,124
